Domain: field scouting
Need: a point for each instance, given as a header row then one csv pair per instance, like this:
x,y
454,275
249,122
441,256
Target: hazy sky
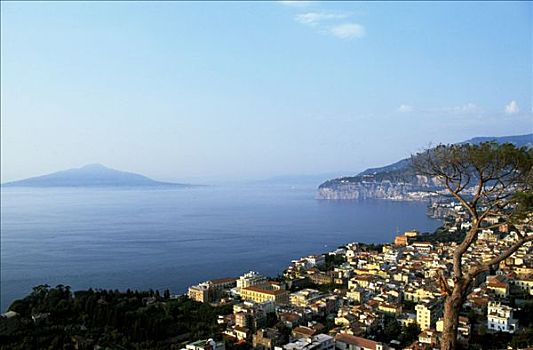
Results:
x,y
177,90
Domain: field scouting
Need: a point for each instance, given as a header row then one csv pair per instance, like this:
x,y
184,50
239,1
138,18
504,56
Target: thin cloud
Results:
x,y
405,109
297,3
330,23
512,107
315,18
348,31
466,109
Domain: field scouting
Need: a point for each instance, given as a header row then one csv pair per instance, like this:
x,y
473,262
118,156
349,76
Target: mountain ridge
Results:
x,y
91,175
396,181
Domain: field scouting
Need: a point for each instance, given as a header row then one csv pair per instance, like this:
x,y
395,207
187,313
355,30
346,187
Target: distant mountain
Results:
x,y
517,140
397,180
92,175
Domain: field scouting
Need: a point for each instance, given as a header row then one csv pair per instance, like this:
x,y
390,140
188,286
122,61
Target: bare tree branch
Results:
x,y
473,272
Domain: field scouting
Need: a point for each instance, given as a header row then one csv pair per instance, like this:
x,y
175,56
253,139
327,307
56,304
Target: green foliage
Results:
x,y
441,235
487,340
525,314
501,174
391,329
523,205
523,339
408,305
409,334
113,319
325,288
332,261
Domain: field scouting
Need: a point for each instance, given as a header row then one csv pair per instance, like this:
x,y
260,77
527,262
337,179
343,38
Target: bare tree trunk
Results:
x,y
452,308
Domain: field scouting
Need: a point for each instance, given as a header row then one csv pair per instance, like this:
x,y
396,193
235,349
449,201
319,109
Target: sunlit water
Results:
x,y
132,238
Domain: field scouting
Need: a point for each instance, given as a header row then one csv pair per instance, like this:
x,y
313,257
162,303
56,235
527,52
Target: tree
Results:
x,y
488,180
166,294
409,334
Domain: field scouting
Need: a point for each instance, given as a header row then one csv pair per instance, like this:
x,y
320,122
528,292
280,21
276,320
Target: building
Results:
x,y
267,339
428,312
250,279
224,283
423,247
411,234
351,342
401,240
427,337
303,332
9,314
241,333
210,291
209,344
315,260
407,319
525,283
317,342
262,294
319,277
418,294
200,292
356,294
304,297
390,308
498,285
251,315
500,318
251,321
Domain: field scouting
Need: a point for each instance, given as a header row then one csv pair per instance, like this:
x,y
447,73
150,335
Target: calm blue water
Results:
x,y
173,238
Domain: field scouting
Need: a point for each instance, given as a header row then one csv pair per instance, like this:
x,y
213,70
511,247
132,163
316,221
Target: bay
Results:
x,y
172,238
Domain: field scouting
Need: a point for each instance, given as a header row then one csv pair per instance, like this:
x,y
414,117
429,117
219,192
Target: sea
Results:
x,y
173,238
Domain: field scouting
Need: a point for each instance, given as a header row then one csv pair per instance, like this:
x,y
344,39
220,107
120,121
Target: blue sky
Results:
x,y
240,90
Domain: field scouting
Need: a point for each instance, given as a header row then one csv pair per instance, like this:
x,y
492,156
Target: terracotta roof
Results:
x,y
289,316
464,319
495,282
357,341
304,330
224,280
479,301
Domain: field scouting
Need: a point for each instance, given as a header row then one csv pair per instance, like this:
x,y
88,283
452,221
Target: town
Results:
x,y
380,297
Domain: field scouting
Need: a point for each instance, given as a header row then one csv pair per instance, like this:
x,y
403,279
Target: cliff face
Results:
x,y
384,190
417,189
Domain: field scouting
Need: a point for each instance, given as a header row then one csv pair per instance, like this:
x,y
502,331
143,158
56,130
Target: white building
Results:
x,y
317,342
500,318
209,344
250,279
316,260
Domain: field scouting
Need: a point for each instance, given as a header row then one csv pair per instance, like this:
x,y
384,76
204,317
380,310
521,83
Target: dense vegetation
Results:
x,y
441,235
112,319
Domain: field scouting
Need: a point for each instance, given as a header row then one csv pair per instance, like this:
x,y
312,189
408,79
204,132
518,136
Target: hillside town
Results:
x,y
379,297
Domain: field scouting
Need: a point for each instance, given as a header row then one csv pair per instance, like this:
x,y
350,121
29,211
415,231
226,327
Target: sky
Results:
x,y
243,90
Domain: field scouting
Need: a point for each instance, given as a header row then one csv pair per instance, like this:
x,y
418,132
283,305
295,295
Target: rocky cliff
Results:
x,y
372,188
